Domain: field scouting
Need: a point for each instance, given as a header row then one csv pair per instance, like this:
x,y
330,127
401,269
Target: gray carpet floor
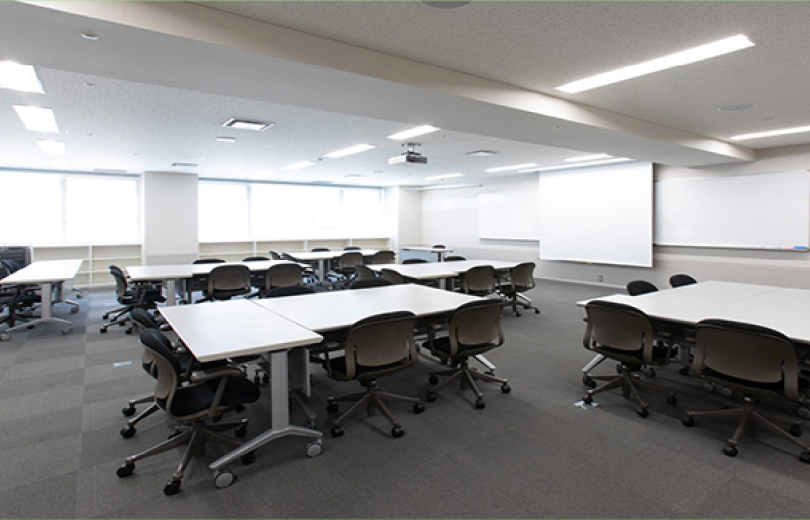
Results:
x,y
529,454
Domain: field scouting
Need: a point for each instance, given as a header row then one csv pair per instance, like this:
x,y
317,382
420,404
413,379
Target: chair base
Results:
x,y
466,378
373,399
629,381
749,417
514,300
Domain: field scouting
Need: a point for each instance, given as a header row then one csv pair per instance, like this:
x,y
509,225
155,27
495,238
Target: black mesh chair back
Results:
x,y
347,261
384,257
274,255
439,246
320,249
291,290
227,281
679,280
392,276
370,282
479,280
208,261
255,259
283,275
363,272
143,319
11,265
638,287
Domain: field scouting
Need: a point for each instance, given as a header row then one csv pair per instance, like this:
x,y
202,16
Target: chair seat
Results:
x,y
337,366
196,399
441,346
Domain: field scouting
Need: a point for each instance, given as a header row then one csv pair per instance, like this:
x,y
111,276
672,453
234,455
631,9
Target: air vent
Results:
x,y
185,164
245,124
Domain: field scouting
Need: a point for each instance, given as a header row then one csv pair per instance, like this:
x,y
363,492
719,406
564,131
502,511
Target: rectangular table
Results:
x,y
49,275
440,252
440,270
220,330
321,257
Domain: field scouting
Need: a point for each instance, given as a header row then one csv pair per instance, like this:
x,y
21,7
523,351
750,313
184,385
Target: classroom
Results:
x,y
227,130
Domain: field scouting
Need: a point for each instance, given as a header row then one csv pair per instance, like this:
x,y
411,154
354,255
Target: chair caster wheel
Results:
x,y
103,330
397,432
337,431
128,331
588,381
642,412
684,371
805,457
248,458
731,451
431,397
479,404
795,430
128,431
649,372
223,478
5,337
804,411
74,310
129,411
418,407
67,330
537,311
125,470
505,388
727,392
709,387
241,430
314,448
433,380
311,424
588,399
332,407
688,421
105,316
672,399
122,323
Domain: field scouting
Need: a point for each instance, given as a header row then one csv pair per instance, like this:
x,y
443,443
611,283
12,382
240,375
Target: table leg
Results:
x,y
171,296
45,314
279,415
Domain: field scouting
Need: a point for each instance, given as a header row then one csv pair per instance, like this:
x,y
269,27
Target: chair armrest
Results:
x,y
207,373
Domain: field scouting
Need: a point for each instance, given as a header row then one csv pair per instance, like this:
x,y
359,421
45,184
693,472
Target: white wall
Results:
x,y
169,215
403,217
451,217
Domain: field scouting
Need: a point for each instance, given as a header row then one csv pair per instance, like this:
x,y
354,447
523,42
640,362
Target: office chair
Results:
x,y
625,334
227,281
474,328
257,278
439,246
283,275
392,276
274,255
414,261
308,274
479,280
352,248
454,258
291,290
143,296
346,270
207,396
758,362
363,272
679,280
638,287
18,300
199,282
372,282
384,257
520,280
374,347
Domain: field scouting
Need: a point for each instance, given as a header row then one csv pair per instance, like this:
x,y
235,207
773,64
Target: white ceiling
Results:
x,y
166,75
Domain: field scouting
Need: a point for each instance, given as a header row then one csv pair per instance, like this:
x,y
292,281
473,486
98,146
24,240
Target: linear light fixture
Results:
x,y
771,133
350,150
695,54
244,124
576,165
513,167
588,157
298,165
37,119
444,187
225,139
442,177
15,76
413,132
51,147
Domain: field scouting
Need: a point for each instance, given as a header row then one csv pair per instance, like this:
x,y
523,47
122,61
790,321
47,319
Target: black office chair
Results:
x,y
274,255
638,287
384,257
352,248
439,246
17,300
372,282
199,282
206,397
257,278
227,281
679,280
392,276
625,334
130,297
519,281
414,261
759,363
474,328
283,275
375,347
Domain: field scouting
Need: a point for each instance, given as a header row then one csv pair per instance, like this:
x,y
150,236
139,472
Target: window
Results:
x,y
223,212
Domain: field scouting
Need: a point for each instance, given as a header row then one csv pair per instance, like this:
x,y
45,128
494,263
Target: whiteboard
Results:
x,y
509,215
598,214
770,210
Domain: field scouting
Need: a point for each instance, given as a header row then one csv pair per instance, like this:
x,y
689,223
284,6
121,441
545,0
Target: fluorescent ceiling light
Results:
x,y
482,153
37,119
51,147
588,157
444,187
19,77
576,165
513,167
447,176
298,165
226,139
243,124
413,132
771,133
702,52
349,151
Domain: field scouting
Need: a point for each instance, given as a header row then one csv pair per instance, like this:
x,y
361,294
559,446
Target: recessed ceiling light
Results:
x,y
51,147
87,84
588,157
413,132
185,165
737,107
771,133
244,124
576,165
447,4
37,119
358,175
482,153
702,52
447,176
298,165
223,139
24,78
90,36
349,151
513,167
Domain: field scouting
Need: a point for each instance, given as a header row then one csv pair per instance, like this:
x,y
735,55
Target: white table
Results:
x,y
321,257
172,273
440,270
438,251
220,330
48,274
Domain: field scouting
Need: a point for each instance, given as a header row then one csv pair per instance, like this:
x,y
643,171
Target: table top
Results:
x,y
44,271
435,270
334,310
246,329
428,249
139,273
327,255
784,309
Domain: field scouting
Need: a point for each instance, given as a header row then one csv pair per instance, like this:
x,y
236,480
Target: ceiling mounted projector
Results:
x,y
408,158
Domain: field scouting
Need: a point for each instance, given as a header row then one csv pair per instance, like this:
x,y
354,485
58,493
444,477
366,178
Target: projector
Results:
x,y
407,159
